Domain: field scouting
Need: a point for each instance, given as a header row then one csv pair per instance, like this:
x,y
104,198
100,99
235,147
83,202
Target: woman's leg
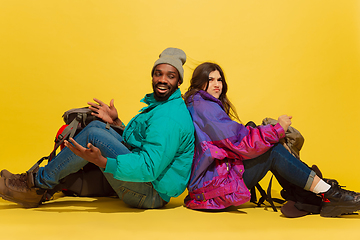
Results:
x,y
337,200
285,164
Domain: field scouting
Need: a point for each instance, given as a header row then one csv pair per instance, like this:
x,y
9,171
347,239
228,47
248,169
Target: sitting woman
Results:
x,y
230,158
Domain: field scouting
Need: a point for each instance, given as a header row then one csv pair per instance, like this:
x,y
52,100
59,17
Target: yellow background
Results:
x,y
280,57
298,57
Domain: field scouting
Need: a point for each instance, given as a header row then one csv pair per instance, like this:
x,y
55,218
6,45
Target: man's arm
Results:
x,y
90,154
158,150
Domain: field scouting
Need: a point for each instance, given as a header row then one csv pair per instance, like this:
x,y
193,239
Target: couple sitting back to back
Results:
x,y
155,158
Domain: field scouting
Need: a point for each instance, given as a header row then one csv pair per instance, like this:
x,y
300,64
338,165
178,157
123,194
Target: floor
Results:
x,y
100,218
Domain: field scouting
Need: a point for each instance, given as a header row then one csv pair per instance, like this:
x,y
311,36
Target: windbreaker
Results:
x,y
221,146
162,140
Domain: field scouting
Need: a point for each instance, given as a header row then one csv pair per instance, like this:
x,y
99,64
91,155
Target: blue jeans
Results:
x,y
135,194
281,163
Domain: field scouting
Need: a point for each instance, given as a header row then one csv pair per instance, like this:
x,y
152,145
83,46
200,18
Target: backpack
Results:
x,y
90,180
299,202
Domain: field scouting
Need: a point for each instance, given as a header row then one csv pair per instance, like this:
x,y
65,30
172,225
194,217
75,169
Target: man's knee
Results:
x,y
93,130
96,124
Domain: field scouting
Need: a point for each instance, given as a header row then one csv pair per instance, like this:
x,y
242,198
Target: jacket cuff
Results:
x,y
111,165
279,130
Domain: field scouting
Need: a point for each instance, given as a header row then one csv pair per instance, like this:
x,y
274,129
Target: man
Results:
x,y
154,166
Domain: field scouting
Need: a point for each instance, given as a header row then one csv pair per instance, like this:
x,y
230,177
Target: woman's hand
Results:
x,y
90,154
285,121
106,113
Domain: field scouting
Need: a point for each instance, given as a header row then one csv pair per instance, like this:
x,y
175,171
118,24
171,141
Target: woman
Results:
x,y
230,158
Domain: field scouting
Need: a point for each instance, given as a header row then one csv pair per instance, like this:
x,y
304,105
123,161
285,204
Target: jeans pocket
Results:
x,y
132,198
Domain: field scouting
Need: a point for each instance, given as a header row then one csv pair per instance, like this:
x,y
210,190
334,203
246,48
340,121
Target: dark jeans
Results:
x,y
280,162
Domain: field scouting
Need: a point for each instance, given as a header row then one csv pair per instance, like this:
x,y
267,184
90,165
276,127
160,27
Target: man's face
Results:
x,y
165,81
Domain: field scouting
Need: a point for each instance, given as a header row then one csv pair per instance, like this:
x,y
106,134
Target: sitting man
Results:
x,y
146,166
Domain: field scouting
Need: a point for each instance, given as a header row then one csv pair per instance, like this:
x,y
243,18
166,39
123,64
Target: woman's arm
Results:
x,y
229,139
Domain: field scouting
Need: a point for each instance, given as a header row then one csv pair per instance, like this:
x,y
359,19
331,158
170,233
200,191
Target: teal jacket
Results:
x,y
162,138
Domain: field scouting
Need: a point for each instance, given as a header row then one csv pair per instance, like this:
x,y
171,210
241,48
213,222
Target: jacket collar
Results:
x,y
206,96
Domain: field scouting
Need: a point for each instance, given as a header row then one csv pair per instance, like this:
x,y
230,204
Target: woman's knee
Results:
x,y
278,147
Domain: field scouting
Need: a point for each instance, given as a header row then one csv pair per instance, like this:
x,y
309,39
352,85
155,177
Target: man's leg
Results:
x,y
66,162
136,194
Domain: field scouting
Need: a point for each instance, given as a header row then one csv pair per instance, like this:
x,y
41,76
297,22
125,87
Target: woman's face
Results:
x,y
215,84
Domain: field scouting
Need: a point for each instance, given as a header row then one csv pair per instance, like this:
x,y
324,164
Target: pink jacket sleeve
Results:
x,y
226,138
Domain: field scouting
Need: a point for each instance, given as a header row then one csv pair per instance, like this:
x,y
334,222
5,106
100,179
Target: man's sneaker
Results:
x,y
338,201
20,188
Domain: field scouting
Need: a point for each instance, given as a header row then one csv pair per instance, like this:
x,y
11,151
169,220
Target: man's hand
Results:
x,y
285,121
106,113
90,154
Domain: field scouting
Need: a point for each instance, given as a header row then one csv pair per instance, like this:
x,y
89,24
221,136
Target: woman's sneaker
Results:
x,y
338,201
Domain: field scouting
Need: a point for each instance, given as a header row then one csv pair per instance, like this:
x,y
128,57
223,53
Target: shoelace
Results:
x,y
19,181
334,184
344,191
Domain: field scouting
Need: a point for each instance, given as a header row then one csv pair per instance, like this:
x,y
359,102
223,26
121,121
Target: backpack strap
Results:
x,y
71,129
37,164
264,196
270,199
68,132
253,198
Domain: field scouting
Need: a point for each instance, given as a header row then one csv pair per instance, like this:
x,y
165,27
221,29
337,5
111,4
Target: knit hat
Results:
x,y
173,56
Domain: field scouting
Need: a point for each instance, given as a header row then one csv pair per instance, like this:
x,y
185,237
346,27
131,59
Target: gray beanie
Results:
x,y
173,56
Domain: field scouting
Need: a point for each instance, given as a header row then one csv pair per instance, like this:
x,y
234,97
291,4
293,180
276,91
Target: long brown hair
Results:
x,y
200,81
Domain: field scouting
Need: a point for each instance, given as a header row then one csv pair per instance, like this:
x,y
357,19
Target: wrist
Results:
x,y
280,130
118,122
103,162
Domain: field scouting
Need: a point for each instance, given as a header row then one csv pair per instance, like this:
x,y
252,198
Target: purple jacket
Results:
x,y
220,147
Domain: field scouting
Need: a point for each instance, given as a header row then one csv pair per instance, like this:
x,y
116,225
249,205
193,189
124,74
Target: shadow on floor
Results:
x,y
66,204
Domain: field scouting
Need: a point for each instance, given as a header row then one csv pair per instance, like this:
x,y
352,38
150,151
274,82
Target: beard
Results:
x,y
162,91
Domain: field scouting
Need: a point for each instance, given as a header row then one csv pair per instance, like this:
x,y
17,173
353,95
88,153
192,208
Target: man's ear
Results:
x,y
179,82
